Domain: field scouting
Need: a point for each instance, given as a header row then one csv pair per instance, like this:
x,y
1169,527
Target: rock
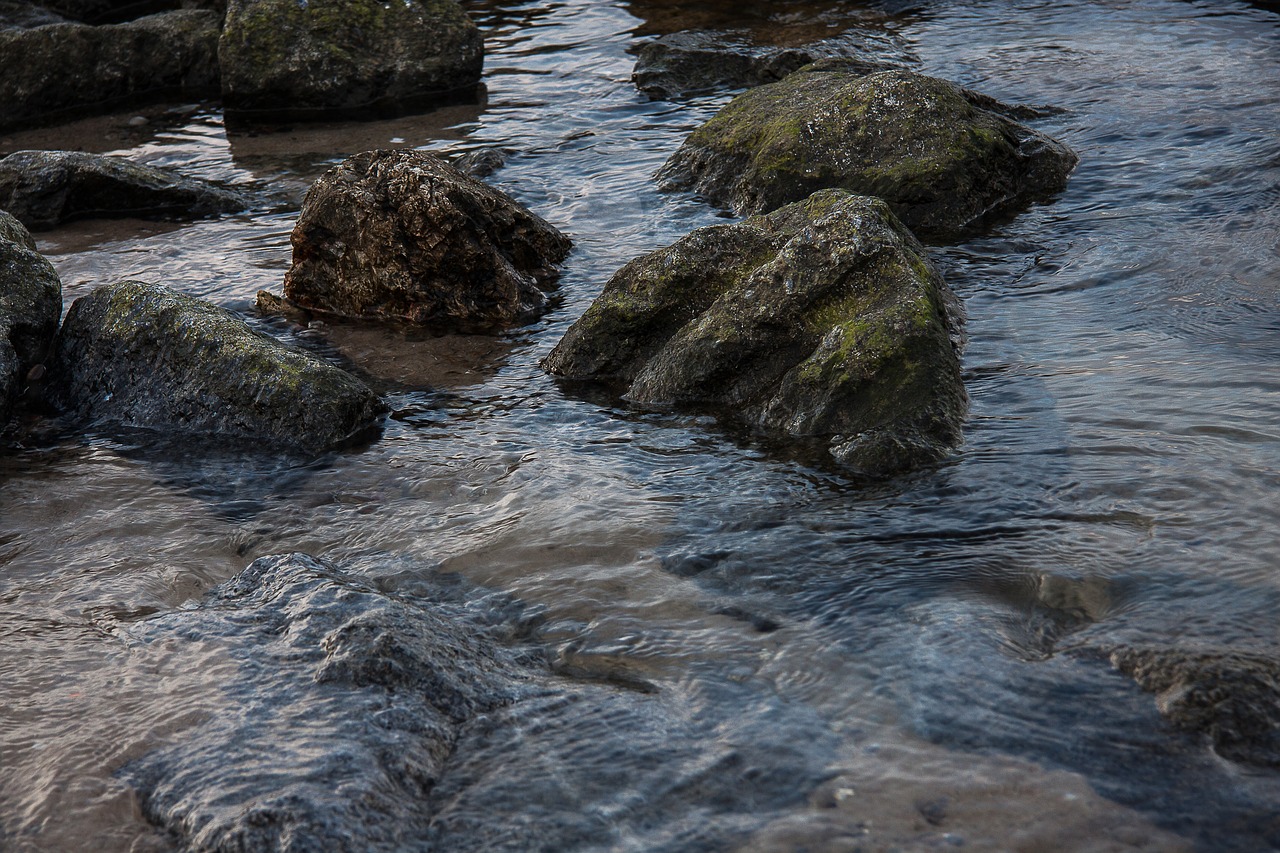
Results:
x,y
45,188
480,163
822,321
1231,697
30,305
691,62
141,355
942,157
25,16
309,59
60,70
401,235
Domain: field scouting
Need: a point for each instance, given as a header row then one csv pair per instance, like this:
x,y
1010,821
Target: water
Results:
x,y
1124,369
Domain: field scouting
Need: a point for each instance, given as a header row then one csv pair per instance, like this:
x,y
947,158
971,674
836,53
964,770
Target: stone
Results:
x,y
62,70
43,189
30,306
139,355
821,322
941,156
401,235
314,58
696,61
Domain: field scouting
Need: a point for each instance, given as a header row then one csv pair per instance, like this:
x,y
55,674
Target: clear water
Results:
x,y
1124,369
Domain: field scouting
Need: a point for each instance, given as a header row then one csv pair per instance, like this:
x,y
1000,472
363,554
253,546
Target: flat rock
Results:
x,y
45,188
402,235
822,321
315,58
696,61
30,306
61,70
140,355
941,156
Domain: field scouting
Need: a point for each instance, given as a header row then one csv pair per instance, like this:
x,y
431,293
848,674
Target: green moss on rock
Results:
x,y
942,157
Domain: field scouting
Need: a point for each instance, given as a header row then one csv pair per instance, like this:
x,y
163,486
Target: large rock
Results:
x,y
403,235
941,156
30,305
345,55
822,320
58,70
141,355
45,188
695,61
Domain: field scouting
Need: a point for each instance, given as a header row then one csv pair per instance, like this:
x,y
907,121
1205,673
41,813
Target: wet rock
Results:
x,y
941,156
30,305
479,164
141,355
45,188
59,70
308,59
1231,697
822,321
691,62
401,235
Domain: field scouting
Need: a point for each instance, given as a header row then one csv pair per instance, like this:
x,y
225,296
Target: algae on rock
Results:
x,y
941,156
820,321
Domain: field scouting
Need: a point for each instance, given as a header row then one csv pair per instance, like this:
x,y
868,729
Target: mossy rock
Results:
x,y
30,305
140,355
821,322
310,59
941,156
49,73
43,189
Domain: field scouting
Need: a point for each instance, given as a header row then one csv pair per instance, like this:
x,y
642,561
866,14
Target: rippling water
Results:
x,y
1124,369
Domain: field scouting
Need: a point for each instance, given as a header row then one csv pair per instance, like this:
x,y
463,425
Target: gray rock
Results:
x,y
60,70
141,355
308,59
45,188
402,235
695,61
822,321
30,305
941,156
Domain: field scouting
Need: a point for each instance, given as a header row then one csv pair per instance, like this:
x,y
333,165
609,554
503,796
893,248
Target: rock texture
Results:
x,y
695,61
941,156
822,320
401,235
141,355
30,305
58,70
311,58
45,188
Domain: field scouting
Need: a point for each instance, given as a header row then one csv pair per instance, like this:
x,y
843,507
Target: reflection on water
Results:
x,y
936,635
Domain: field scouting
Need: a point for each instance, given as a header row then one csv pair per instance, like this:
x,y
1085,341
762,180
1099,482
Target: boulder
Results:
x,y
141,355
822,321
1231,697
309,59
30,305
402,235
58,70
45,188
695,61
941,156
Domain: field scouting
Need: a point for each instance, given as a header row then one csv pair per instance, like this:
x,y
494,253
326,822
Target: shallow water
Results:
x,y
1124,370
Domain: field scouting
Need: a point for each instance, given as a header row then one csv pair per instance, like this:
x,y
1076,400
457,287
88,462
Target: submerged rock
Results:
x,y
820,321
141,355
45,188
941,156
696,61
402,235
310,58
30,305
61,69
1231,697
